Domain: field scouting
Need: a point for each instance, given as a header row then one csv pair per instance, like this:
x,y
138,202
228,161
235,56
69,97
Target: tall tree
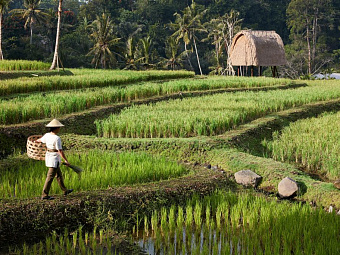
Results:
x,y
222,31
131,50
174,58
145,49
131,54
103,37
55,62
187,25
305,19
3,6
32,14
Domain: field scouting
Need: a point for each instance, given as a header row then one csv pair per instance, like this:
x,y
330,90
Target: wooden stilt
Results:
x,y
61,63
252,71
276,72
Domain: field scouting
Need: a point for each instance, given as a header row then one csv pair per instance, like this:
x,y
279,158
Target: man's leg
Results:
x,y
49,179
60,180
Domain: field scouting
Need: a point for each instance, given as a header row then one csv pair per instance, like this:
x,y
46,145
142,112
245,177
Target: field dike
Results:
x,y
82,123
33,219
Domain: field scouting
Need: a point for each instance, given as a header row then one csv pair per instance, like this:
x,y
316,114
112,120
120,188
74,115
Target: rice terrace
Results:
x,y
169,127
160,152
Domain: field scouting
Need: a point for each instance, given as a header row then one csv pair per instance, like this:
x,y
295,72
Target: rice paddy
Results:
x,y
77,242
85,78
37,106
19,65
209,115
162,222
226,223
313,143
223,223
102,170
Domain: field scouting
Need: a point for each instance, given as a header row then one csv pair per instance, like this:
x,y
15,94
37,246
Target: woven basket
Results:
x,y
35,150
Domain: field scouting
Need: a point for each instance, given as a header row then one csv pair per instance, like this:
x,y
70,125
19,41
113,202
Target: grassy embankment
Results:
x,y
209,115
31,107
83,78
213,150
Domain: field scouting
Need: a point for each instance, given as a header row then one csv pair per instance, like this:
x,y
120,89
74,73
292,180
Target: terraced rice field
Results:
x,y
158,172
313,143
210,115
102,170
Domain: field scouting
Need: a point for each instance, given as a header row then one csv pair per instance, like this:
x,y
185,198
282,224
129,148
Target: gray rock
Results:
x,y
248,178
337,184
288,188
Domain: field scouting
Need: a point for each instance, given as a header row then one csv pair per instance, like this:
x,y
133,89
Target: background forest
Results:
x,y
172,34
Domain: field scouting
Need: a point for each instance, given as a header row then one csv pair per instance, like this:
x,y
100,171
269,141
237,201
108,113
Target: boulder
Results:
x,y
288,188
248,178
337,184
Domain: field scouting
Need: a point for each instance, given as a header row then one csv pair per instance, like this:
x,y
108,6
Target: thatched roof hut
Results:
x,y
257,48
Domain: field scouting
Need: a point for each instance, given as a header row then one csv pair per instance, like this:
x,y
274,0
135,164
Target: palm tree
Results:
x,y
131,51
104,38
145,49
173,60
222,31
55,62
215,35
232,23
187,25
32,14
3,6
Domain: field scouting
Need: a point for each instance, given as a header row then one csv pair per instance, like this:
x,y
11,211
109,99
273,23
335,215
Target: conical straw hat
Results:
x,y
54,123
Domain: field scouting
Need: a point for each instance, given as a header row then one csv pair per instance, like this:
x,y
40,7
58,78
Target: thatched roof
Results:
x,y
257,48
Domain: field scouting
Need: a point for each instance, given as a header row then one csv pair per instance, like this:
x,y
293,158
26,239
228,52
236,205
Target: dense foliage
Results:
x,y
136,34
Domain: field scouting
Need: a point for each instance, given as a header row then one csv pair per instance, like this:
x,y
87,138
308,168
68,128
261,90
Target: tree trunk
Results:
x,y
1,55
198,59
309,55
314,36
186,52
217,49
56,47
309,49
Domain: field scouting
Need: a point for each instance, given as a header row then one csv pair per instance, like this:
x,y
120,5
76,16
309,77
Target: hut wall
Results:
x,y
257,48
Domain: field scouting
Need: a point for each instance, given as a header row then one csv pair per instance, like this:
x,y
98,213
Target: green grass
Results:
x,y
18,65
85,78
313,143
37,106
209,115
102,169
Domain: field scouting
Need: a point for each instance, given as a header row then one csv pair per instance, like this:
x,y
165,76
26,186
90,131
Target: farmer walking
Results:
x,y
53,157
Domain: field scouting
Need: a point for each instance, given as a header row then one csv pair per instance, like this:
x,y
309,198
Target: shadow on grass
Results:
x,y
302,188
